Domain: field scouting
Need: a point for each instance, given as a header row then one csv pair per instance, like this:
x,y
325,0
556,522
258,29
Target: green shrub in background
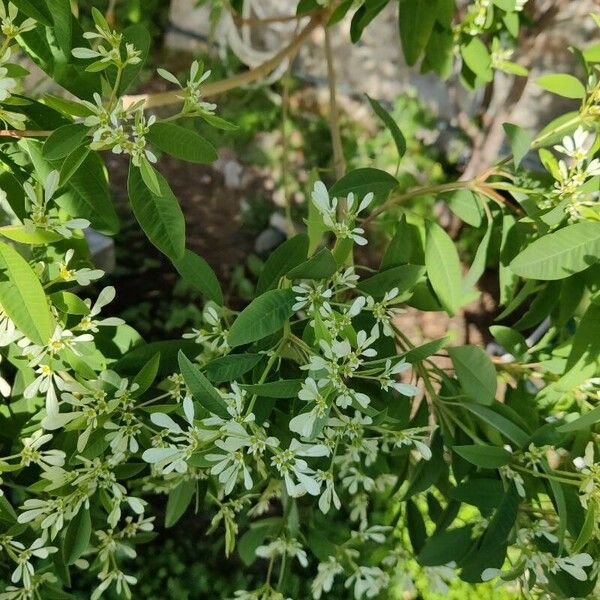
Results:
x,y
319,447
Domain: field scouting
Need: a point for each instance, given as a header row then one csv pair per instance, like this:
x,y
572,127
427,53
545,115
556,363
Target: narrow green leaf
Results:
x,y
284,258
562,84
404,277
443,268
231,367
159,216
560,254
182,143
478,59
72,164
201,388
150,177
147,374
362,181
22,296
406,247
263,316
416,19
487,457
196,272
178,501
520,142
466,206
475,372
77,536
510,339
391,125
500,423
587,530
320,266
64,140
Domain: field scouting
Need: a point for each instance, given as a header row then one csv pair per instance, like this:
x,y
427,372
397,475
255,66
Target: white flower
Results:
x,y
368,582
281,546
326,573
25,570
329,494
388,380
574,146
290,466
311,295
31,452
46,382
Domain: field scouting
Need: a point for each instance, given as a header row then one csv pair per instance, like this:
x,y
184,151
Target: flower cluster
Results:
x,y
573,173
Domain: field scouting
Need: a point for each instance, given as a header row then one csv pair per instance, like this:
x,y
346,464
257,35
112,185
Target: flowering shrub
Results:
x,y
321,440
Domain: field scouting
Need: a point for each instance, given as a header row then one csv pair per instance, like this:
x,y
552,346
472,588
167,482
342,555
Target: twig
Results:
x,y
16,133
285,148
212,89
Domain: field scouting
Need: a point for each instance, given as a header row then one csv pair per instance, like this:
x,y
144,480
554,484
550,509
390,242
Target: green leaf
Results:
x,y
443,268
586,421
196,272
36,10
478,59
72,164
404,277
159,216
26,235
149,177
563,85
505,5
182,143
416,19
560,254
63,23
64,140
446,546
500,423
363,16
487,457
77,536
22,296
88,196
231,367
320,266
179,500
587,530
284,388
510,339
480,492
520,142
490,551
263,316
201,388
139,36
475,372
147,374
362,181
284,258
406,247
391,125
422,352
466,206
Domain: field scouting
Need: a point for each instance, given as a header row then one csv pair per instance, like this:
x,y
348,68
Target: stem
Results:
x,y
15,133
239,80
266,372
115,91
421,191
